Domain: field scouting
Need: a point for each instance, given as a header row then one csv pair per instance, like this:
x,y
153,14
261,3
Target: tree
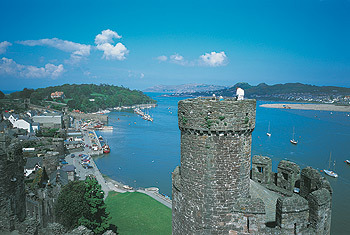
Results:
x,y
96,218
81,203
71,204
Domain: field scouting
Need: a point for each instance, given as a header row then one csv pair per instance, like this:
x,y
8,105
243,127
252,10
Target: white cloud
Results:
x,y
179,59
3,46
106,37
78,51
110,52
176,57
104,43
142,75
214,59
162,58
10,67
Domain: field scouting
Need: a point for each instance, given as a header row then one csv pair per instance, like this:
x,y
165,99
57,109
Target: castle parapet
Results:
x,y
320,211
261,169
248,215
208,115
292,214
312,180
288,174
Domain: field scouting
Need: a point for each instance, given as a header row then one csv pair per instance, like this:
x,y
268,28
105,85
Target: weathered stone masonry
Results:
x,y
211,188
12,194
215,163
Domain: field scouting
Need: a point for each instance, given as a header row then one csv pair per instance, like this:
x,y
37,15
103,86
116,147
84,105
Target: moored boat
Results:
x,y
106,148
347,161
268,131
293,141
331,172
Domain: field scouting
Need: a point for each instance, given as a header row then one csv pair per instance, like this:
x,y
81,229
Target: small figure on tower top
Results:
x,y
240,94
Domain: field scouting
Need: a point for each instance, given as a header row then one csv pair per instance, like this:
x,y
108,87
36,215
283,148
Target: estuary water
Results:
x,y
143,153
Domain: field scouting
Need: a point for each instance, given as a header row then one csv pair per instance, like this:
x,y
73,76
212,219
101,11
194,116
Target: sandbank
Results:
x,y
323,107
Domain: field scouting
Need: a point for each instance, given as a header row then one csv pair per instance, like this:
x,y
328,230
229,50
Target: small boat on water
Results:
x,y
293,141
268,131
106,148
331,172
347,161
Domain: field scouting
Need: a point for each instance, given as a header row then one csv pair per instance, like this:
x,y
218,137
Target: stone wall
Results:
x,y
308,212
211,187
292,214
215,163
262,169
89,116
12,194
40,205
311,180
320,211
248,216
287,175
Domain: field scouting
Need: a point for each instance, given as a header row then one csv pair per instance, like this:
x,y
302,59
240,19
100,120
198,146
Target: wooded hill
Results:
x,y
84,97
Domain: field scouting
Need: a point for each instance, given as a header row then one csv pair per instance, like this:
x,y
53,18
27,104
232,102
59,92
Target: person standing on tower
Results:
x,y
240,94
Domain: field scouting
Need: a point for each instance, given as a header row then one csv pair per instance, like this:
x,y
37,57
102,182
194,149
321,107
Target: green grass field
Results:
x,y
137,213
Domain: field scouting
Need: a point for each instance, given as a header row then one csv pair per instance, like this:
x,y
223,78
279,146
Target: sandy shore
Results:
x,y
324,107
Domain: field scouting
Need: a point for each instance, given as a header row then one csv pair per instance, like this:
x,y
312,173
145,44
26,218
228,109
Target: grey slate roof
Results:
x,y
6,115
32,161
63,178
68,168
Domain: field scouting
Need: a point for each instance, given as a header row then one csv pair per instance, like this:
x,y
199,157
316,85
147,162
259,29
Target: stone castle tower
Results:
x,y
216,191
216,139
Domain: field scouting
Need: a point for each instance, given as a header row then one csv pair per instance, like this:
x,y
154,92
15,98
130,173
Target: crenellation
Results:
x,y
212,188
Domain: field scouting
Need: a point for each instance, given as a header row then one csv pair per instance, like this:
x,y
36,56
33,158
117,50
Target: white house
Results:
x,y
11,117
36,126
25,124
32,165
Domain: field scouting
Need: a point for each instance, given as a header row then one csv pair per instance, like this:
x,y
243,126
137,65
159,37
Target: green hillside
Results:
x,y
84,97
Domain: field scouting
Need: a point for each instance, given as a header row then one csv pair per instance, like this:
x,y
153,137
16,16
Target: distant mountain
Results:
x,y
288,91
184,88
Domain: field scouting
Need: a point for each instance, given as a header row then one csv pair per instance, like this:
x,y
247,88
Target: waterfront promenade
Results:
x,y
107,184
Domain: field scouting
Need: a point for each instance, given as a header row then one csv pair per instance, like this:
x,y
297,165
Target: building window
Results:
x,y
260,169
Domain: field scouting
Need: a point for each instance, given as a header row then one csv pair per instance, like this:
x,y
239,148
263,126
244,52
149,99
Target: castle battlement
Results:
x,y
209,115
215,190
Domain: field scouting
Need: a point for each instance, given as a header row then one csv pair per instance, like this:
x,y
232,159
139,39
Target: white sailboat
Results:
x,y
268,131
293,141
331,172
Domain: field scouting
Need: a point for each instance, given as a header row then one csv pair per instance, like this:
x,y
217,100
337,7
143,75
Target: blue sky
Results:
x,y
139,44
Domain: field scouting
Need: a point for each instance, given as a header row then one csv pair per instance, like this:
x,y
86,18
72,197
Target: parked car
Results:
x,y
72,155
64,162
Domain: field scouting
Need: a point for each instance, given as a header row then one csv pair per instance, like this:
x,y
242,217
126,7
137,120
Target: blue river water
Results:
x,y
143,153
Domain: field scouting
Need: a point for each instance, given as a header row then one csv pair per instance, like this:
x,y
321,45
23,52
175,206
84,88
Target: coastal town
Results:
x,y
53,148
